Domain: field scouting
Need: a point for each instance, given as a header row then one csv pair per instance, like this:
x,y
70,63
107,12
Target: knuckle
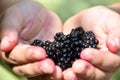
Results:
x,y
5,57
91,77
18,71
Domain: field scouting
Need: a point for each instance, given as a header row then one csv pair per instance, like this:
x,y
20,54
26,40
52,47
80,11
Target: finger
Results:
x,y
102,59
69,74
40,77
86,71
57,74
113,41
9,29
9,32
113,38
25,53
45,66
9,39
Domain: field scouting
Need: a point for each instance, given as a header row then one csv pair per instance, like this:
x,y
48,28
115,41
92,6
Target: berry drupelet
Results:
x,y
65,49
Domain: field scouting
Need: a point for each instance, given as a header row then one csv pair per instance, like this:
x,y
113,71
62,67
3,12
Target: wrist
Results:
x,y
4,4
115,7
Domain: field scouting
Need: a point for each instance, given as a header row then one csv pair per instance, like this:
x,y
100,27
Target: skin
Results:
x,y
21,24
4,4
115,7
102,63
19,30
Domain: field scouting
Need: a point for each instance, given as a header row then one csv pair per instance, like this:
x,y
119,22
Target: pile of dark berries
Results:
x,y
65,49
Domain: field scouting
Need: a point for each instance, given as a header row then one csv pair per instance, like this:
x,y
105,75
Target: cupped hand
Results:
x,y
21,24
96,64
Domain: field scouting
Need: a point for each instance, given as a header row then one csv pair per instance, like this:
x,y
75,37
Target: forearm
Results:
x,y
4,4
115,7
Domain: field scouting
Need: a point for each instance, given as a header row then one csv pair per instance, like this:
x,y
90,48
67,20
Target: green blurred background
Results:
x,y
65,9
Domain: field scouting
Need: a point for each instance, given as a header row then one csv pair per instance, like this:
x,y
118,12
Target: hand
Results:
x,y
102,63
21,24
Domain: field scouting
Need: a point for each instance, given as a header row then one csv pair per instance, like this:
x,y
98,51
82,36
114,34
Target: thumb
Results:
x,y
9,32
113,40
9,39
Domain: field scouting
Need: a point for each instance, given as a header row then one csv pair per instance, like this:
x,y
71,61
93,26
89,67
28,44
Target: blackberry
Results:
x,y
37,42
65,49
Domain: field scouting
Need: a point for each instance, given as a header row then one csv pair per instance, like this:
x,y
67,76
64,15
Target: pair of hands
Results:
x,y
28,20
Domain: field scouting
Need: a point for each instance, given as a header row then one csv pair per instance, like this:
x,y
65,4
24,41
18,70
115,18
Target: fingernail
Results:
x,y
36,54
79,67
52,78
39,53
47,68
69,74
117,42
87,55
4,43
43,68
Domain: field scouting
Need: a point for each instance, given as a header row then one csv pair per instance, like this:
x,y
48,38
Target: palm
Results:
x,y
98,20
33,21
105,24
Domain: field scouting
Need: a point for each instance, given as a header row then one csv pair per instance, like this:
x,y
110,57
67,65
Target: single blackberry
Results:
x,y
65,49
37,42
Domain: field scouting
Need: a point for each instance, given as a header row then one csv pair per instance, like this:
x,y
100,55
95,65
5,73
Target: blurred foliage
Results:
x,y
7,74
65,9
116,76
